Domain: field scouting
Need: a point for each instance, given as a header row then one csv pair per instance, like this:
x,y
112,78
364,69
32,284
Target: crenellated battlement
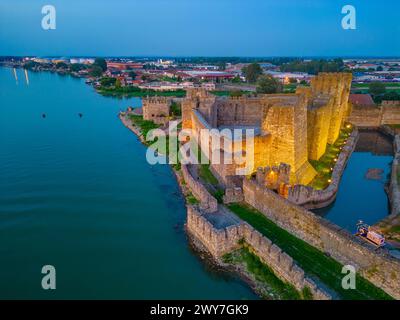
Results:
x,y
292,128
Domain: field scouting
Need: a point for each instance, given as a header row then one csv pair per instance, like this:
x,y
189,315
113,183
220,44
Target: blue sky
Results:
x,y
200,28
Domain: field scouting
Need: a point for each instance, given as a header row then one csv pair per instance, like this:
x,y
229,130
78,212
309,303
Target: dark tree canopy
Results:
x,y
252,72
268,84
314,66
101,62
95,71
107,81
377,88
75,67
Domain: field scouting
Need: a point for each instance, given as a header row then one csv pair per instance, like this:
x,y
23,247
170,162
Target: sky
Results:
x,y
200,28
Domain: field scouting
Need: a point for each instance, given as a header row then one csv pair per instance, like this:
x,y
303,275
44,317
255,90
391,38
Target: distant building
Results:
x,y
364,100
286,76
216,76
124,65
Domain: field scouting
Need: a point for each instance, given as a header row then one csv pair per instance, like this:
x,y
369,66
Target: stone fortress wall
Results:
x,y
290,128
323,108
156,109
207,202
394,188
310,198
376,266
221,241
374,116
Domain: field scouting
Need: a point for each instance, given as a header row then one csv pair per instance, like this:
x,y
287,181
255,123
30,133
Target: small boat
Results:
x,y
43,115
364,231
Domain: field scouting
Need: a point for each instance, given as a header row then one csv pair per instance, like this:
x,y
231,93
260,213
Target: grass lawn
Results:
x,y
144,125
206,174
276,288
325,164
227,93
132,91
366,85
310,259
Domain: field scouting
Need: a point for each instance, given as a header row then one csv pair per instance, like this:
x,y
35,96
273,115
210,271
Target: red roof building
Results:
x,y
358,99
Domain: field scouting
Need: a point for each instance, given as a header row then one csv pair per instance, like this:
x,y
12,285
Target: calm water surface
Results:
x,y
77,193
360,198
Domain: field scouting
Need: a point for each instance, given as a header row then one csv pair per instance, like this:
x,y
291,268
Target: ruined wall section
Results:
x,y
156,109
374,116
207,202
390,112
365,116
378,267
221,241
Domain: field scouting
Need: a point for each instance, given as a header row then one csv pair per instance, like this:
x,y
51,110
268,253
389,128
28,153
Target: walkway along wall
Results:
x,y
207,201
378,267
310,198
221,241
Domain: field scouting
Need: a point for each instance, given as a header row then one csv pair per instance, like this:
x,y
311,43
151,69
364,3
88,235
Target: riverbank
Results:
x,y
238,263
210,235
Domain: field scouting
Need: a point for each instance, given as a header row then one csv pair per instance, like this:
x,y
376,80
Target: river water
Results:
x,y
363,197
78,194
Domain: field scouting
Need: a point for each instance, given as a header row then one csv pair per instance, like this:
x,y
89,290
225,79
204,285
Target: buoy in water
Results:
x,y
43,115
80,115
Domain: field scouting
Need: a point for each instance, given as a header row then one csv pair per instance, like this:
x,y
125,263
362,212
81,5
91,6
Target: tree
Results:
x,y
380,68
235,93
95,71
221,66
176,109
292,80
61,65
377,88
101,63
268,84
132,75
391,95
252,72
75,67
236,79
107,81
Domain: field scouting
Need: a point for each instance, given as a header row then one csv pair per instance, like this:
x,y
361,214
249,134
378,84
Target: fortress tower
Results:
x,y
289,128
156,109
286,122
328,106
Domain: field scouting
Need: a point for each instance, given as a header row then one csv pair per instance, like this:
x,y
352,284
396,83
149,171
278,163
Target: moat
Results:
x,y
362,195
77,193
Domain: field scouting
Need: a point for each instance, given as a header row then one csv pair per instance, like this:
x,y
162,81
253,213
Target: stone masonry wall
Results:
x,y
390,112
394,189
221,241
367,116
311,198
378,267
156,109
207,201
